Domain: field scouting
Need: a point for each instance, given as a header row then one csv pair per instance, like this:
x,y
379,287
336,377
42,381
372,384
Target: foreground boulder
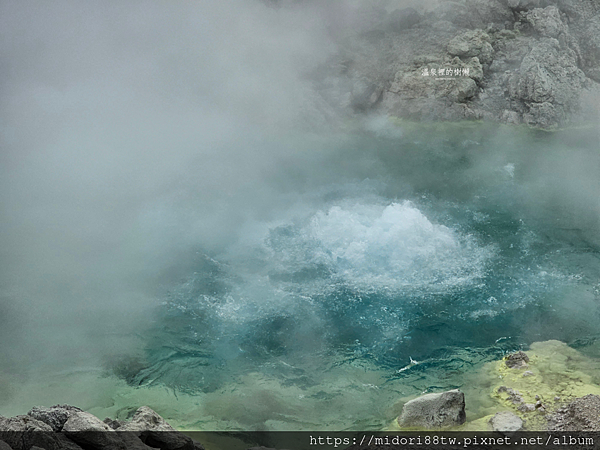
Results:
x,y
506,421
154,431
65,427
89,431
24,432
55,416
434,411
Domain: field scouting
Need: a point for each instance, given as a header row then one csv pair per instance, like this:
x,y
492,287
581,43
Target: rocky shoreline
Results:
x,y
532,62
530,409
68,427
525,400
527,397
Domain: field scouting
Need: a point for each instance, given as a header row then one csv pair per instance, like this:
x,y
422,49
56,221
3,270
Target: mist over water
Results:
x,y
181,209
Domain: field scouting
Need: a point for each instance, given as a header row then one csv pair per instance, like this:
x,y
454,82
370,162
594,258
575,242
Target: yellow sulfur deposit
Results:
x,y
554,375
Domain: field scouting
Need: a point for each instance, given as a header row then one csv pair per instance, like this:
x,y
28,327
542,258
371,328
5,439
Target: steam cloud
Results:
x,y
130,133
135,133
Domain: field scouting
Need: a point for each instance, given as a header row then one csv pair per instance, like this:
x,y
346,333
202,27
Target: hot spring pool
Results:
x,y
377,266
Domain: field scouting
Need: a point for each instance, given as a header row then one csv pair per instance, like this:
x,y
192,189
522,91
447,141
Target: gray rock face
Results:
x,y
22,423
70,428
547,22
526,4
55,416
472,43
66,443
538,63
590,47
83,421
506,421
546,88
434,411
582,414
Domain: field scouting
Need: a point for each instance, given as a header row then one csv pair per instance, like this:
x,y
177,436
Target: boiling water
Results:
x,y
362,270
361,292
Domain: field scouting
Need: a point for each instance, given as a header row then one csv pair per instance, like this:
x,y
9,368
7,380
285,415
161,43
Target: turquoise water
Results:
x,y
310,282
416,254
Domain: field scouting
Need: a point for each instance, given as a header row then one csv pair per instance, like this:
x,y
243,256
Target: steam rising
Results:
x,y
130,133
136,135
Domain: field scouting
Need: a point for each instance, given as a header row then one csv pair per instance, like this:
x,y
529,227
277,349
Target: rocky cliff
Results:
x,y
535,62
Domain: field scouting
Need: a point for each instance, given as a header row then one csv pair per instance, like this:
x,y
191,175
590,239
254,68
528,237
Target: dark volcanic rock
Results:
x,y
66,443
87,430
517,360
67,427
23,432
114,424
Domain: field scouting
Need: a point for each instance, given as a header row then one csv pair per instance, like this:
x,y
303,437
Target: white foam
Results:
x,y
393,246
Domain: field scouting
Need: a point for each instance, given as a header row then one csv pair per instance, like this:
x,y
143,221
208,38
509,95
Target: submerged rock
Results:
x,y
514,396
434,411
517,360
